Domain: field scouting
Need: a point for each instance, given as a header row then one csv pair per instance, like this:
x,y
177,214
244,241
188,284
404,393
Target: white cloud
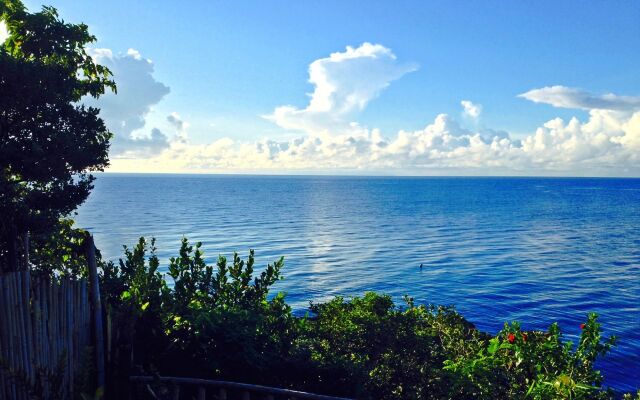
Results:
x,y
565,97
124,113
599,146
179,125
135,54
607,143
345,82
139,147
470,109
177,122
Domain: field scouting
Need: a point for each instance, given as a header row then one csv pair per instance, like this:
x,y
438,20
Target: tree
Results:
x,y
49,142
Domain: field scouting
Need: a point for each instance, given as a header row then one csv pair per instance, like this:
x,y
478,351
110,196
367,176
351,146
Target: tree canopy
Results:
x,y
49,141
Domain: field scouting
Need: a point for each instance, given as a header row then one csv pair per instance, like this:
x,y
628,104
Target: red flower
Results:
x,y
524,337
511,338
582,326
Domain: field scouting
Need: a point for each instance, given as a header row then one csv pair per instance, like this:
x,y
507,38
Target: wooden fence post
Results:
x,y
97,309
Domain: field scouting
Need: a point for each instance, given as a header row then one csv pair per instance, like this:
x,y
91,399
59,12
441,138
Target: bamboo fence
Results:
x,y
45,333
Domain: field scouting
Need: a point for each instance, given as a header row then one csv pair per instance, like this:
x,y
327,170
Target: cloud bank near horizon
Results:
x,y
332,141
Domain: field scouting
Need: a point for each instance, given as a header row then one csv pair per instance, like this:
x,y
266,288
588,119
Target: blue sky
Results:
x,y
229,64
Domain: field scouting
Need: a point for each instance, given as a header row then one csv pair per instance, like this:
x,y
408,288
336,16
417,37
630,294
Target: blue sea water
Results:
x,y
536,250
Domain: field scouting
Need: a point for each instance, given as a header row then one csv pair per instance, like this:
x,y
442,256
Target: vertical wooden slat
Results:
x,y
42,319
17,354
76,328
222,394
62,322
202,393
86,313
175,392
56,323
35,311
71,323
49,323
68,325
15,344
97,308
37,321
246,395
109,336
19,331
3,342
26,297
53,325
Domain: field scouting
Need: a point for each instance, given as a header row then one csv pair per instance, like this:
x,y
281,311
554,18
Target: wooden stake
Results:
x,y
97,309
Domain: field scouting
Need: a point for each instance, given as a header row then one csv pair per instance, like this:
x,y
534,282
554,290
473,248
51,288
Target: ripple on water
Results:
x,y
537,250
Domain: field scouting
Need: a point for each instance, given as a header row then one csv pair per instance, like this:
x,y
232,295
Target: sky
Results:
x,y
375,88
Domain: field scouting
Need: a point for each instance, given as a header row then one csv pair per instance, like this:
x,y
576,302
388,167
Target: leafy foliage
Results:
x,y
206,324
49,142
219,321
61,250
535,364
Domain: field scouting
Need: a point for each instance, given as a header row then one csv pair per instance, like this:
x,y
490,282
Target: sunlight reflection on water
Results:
x,y
536,250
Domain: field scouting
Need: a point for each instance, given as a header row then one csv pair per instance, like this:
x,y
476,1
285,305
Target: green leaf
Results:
x,y
494,344
531,388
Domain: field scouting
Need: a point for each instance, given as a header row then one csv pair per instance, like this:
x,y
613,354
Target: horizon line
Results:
x,y
253,174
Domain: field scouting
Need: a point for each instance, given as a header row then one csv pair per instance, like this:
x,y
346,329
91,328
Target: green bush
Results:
x,y
219,322
204,324
539,365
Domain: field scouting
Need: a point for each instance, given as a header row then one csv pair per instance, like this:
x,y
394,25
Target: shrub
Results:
x,y
206,324
219,321
539,365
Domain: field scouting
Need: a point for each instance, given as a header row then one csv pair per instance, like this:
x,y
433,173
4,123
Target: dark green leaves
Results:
x,y
49,143
218,321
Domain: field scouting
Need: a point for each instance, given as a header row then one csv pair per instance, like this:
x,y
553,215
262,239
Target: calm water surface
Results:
x,y
537,250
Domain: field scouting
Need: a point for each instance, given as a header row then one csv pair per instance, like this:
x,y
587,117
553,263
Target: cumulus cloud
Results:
x,y
344,83
140,147
606,143
180,125
124,113
565,97
471,110
177,122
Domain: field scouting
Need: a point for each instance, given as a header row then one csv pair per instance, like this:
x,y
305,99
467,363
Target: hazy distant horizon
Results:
x,y
346,175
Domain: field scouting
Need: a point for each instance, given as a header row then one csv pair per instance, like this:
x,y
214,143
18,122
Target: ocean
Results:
x,y
535,250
